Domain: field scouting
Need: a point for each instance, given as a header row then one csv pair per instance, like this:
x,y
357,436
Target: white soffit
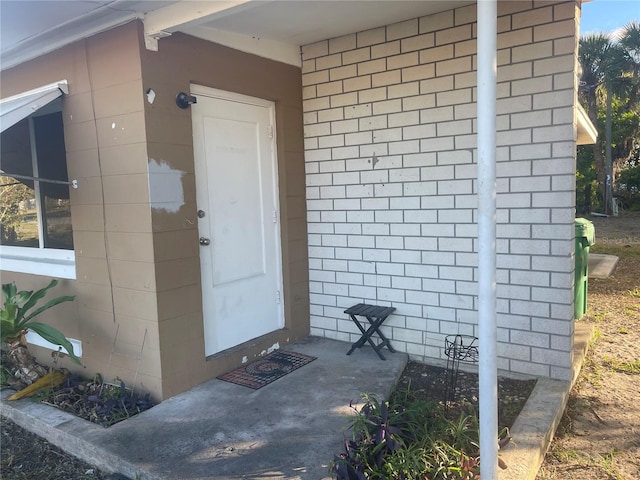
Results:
x,y
277,28
271,28
587,132
29,29
18,107
301,22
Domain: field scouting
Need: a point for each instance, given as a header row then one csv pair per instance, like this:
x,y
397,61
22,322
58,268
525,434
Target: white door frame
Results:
x,y
200,165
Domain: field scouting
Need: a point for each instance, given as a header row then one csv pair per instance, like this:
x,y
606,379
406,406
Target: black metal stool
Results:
x,y
375,316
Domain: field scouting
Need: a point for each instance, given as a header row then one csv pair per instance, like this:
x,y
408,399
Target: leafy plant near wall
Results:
x,y
16,318
409,439
95,400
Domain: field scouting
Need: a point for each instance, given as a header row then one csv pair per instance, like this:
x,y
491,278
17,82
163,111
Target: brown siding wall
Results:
x,y
137,263
105,140
181,61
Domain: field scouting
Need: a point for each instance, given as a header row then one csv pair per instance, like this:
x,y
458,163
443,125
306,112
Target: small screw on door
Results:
x,y
201,214
204,241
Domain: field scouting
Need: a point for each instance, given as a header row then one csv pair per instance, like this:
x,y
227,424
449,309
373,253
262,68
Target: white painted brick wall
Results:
x,y
390,138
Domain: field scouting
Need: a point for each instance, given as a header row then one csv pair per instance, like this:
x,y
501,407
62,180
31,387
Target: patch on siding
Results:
x,y
165,187
272,348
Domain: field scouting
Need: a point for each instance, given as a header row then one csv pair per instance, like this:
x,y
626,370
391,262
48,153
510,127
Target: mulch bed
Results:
x,y
26,456
103,403
429,383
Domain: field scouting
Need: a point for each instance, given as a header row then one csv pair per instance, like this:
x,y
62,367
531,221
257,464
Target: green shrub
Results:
x,y
628,188
408,439
16,317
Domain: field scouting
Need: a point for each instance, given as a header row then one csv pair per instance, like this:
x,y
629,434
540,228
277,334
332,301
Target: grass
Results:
x,y
605,464
632,368
599,317
586,446
569,454
608,464
618,249
592,372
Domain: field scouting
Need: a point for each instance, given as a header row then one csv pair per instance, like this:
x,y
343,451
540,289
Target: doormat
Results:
x,y
268,369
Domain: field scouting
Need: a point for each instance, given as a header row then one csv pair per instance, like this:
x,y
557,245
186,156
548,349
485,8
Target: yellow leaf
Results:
x,y
50,380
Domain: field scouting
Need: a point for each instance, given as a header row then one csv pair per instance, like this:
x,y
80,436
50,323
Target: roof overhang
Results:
x,y
587,132
271,28
18,107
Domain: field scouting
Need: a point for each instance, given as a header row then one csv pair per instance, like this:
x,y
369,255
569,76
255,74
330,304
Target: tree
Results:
x,y
630,41
626,137
12,193
611,76
598,57
586,184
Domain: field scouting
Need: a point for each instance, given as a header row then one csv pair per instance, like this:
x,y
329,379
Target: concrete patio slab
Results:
x,y
601,265
289,429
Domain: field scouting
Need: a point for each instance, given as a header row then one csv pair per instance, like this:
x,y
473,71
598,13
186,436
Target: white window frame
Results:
x,y
39,261
51,262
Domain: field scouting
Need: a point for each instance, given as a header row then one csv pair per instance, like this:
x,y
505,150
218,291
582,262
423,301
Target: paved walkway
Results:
x,y
601,265
289,429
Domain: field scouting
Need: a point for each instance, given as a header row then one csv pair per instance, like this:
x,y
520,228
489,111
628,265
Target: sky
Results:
x,y
607,16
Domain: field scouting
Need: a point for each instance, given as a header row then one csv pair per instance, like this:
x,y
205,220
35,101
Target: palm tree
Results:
x,y
592,56
627,88
630,41
603,62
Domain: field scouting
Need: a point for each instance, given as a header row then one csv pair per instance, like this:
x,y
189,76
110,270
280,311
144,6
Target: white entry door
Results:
x,y
238,224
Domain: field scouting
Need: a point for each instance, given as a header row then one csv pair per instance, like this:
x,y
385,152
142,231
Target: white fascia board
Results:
x,y
587,132
164,21
18,107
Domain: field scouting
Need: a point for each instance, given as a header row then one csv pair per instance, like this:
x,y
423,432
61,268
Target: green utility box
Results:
x,y
585,237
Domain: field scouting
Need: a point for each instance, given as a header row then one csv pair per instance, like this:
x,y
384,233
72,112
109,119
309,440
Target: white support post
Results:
x,y
487,330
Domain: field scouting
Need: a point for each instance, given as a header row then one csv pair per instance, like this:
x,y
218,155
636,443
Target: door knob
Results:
x,y
204,241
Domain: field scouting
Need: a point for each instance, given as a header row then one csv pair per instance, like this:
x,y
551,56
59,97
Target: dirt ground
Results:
x,y
599,436
25,456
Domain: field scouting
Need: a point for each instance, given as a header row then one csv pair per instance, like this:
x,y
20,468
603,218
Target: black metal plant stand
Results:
x,y
457,348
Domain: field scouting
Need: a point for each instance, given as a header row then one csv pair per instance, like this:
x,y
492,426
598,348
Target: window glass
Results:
x,y
58,233
19,224
52,165
35,213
